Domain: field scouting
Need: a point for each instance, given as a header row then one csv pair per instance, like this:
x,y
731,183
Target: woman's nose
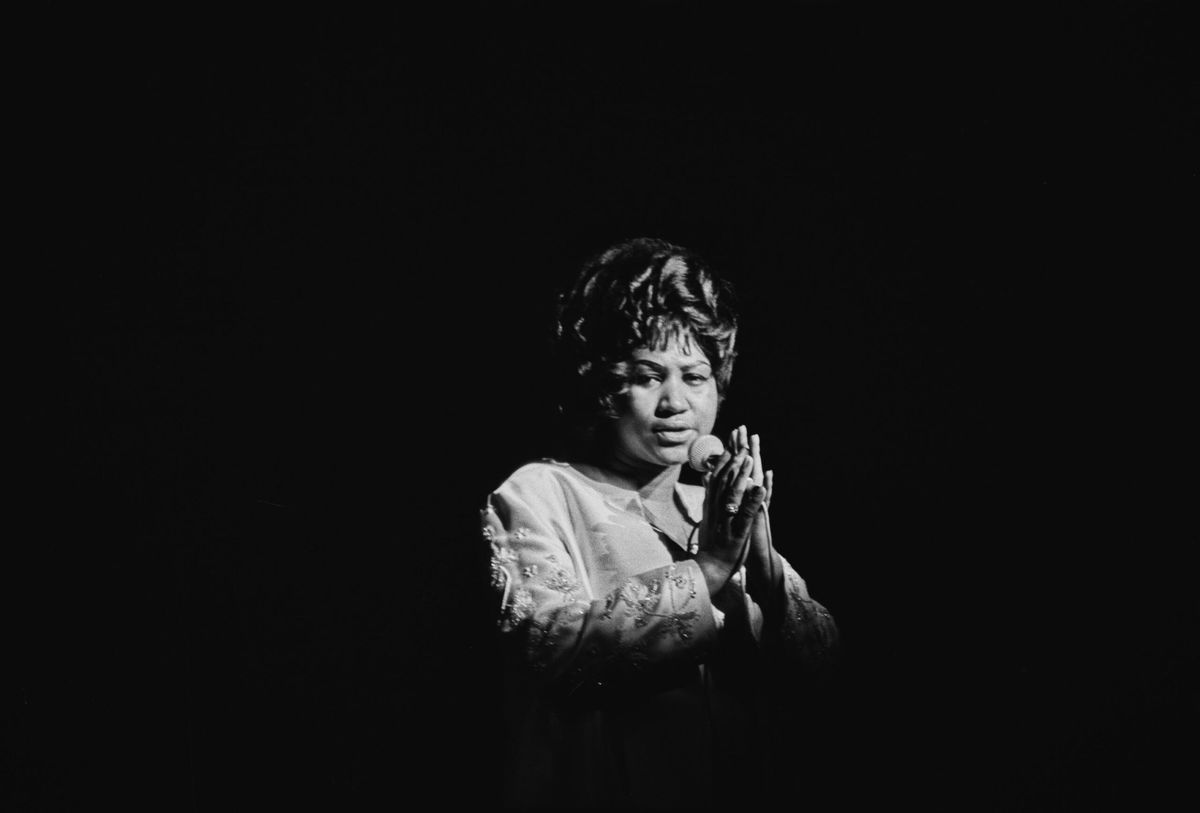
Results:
x,y
672,401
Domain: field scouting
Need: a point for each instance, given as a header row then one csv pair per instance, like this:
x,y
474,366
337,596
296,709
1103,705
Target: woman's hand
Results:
x,y
763,566
732,501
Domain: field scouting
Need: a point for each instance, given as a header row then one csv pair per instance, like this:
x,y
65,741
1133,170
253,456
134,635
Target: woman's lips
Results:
x,y
673,435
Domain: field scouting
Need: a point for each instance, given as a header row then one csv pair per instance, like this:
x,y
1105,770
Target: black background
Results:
x,y
310,335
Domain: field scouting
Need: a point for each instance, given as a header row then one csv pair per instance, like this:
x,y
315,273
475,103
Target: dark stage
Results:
x,y
311,334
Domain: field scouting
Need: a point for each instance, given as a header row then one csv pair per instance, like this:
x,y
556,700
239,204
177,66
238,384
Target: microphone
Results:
x,y
705,450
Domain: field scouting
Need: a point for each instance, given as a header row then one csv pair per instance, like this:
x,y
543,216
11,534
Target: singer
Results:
x,y
640,614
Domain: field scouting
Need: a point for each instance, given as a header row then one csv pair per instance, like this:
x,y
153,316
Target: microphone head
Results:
x,y
703,450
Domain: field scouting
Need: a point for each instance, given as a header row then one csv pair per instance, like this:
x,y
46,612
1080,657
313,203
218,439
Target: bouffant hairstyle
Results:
x,y
643,292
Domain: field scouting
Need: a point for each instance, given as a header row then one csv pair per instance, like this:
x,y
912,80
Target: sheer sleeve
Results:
x,y
804,632
575,642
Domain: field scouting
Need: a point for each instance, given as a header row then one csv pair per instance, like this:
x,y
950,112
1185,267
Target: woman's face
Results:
x,y
672,401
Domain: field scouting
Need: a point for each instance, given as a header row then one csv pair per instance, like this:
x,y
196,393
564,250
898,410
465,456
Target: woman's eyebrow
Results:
x,y
685,367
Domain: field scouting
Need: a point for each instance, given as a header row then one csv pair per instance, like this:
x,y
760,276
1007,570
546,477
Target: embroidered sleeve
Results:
x,y
578,643
806,632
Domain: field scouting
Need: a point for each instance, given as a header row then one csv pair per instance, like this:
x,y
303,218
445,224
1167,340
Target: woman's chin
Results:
x,y
654,455
672,455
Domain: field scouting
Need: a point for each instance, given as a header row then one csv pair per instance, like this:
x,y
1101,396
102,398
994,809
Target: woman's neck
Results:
x,y
653,484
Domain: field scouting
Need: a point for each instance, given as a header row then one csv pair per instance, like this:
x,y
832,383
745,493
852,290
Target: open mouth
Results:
x,y
669,434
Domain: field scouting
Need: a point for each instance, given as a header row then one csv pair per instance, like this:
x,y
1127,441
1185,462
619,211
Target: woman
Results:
x,y
640,613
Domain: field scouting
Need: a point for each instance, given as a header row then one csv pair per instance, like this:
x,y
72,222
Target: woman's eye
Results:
x,y
696,378
645,379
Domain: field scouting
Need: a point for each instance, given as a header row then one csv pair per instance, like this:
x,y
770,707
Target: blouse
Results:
x,y
623,677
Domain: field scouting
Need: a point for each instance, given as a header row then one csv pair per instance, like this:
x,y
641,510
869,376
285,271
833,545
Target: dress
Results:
x,y
625,684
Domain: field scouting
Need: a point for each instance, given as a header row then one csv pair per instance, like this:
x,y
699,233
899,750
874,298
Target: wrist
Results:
x,y
765,573
716,571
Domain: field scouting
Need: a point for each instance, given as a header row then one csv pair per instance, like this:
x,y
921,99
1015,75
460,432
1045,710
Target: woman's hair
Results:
x,y
639,293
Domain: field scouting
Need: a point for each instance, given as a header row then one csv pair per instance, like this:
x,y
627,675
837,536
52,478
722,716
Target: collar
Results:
x,y
689,500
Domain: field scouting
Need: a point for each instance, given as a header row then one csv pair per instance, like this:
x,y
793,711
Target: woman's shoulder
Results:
x,y
540,475
546,487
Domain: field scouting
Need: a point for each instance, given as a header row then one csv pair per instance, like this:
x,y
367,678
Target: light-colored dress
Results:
x,y
625,684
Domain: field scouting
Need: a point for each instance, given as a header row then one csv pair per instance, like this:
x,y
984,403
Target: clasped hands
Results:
x,y
735,529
